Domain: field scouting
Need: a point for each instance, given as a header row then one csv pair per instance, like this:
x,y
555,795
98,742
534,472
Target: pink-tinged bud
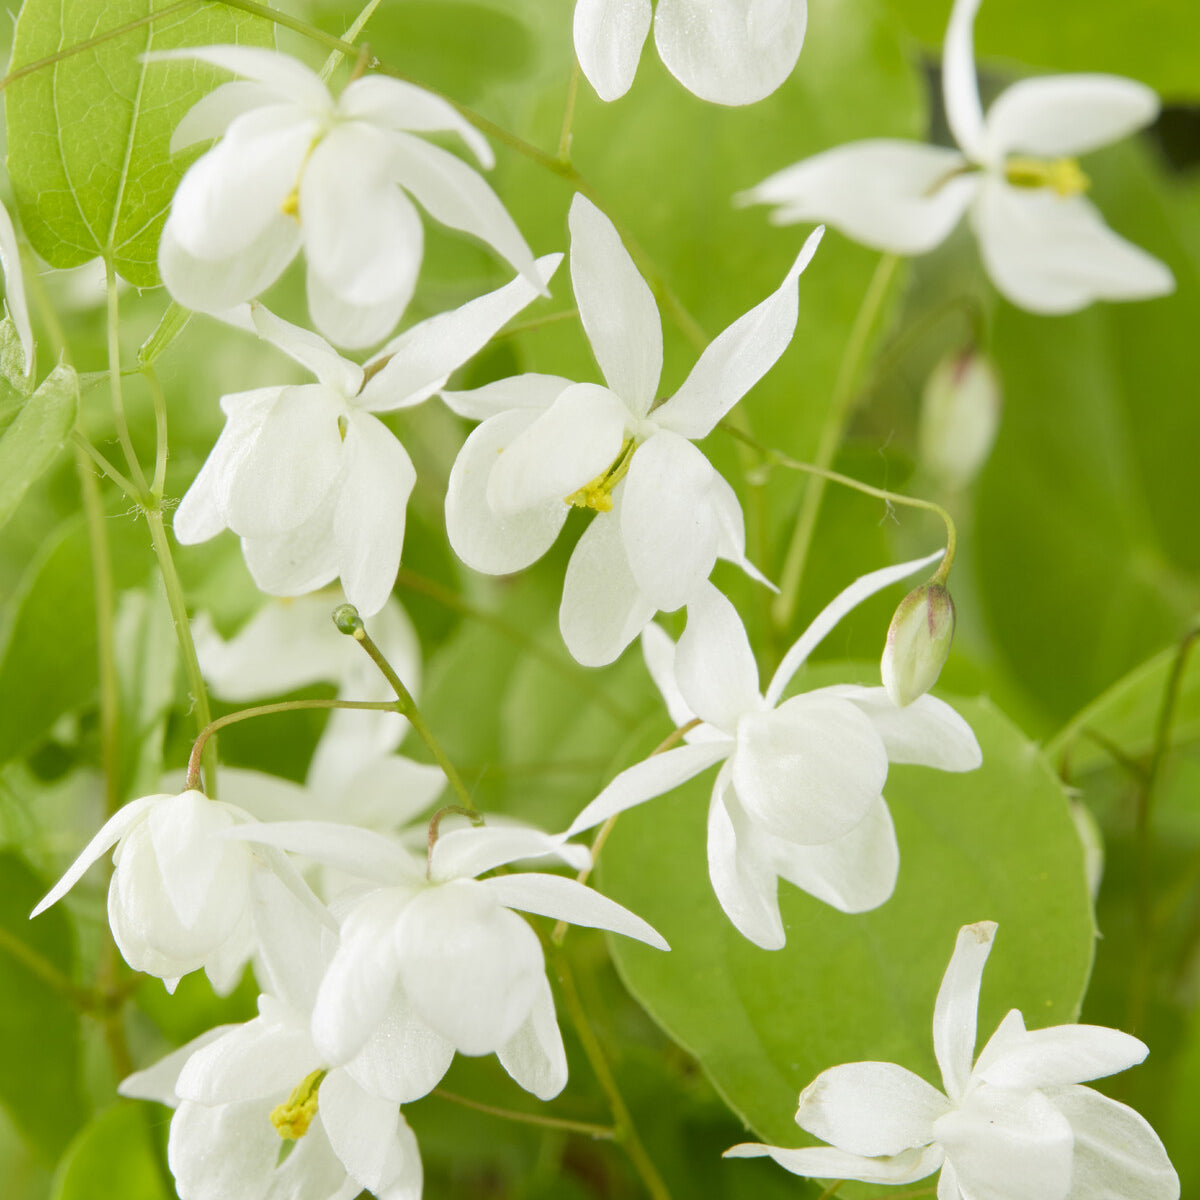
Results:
x,y
918,643
960,413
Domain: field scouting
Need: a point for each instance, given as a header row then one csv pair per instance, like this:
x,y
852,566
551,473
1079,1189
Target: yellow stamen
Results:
x,y
291,203
1061,175
293,1117
598,494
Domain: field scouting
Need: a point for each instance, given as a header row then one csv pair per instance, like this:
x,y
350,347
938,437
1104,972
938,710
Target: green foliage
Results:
x,y
32,442
117,1154
997,844
88,136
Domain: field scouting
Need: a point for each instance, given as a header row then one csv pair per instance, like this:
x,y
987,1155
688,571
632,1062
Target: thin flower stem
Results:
x,y
564,137
335,58
585,1128
158,484
114,386
266,710
121,480
840,406
624,1130
831,1190
45,970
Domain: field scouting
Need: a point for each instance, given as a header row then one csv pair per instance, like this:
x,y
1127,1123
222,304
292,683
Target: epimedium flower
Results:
x,y
435,960
1015,1125
295,167
726,51
546,444
314,484
799,795
1044,244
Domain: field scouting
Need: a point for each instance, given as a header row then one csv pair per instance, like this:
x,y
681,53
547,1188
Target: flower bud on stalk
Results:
x,y
960,412
918,643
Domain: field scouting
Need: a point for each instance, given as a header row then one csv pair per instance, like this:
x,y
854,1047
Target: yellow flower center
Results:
x,y
598,494
293,1117
1062,175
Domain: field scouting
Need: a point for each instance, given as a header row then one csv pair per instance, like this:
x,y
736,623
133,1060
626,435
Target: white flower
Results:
x,y
799,794
296,167
1016,1126
960,415
436,960
1045,246
726,51
664,515
181,896
14,288
312,482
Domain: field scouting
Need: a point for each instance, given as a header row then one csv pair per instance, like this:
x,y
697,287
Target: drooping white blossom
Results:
x,y
1044,244
726,51
435,960
314,484
1014,1126
799,795
295,167
663,514
14,288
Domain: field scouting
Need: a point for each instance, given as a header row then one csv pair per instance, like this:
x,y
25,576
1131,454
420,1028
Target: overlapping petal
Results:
x,y
955,1013
714,666
609,36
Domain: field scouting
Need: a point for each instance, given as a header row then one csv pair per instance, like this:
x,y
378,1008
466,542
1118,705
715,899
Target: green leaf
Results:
x,y
32,442
994,844
89,135
40,1066
117,1154
15,384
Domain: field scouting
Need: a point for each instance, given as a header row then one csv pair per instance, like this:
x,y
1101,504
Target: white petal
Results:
x,y
485,541
252,1061
14,287
1054,254
871,1108
731,530
470,966
609,35
211,115
898,196
1117,1155
115,828
739,357
361,852
616,307
960,89
669,525
369,1135
309,350
927,732
285,75
381,794
424,356
737,52
714,664
403,1059
397,104
844,602
369,519
157,1082
217,1153
298,561
459,197
956,1010
809,771
1064,1054
659,652
602,609
947,1188
652,777
824,1162
1008,1145
534,1055
567,900
467,852
1067,115
564,448
294,932
518,391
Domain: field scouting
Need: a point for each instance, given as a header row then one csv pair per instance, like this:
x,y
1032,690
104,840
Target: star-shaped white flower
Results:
x,y
295,167
1015,1126
315,485
435,960
663,514
1045,246
726,51
799,794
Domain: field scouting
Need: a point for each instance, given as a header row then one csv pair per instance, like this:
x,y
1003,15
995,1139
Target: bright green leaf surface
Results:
x,y
39,1069
88,136
32,442
997,844
116,1156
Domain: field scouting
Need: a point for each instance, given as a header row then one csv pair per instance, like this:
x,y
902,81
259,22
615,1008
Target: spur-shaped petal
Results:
x,y
529,391
14,287
824,1162
960,88
809,771
616,307
714,665
871,1108
288,77
738,358
898,196
370,1137
609,36
534,1056
1067,115
473,850
956,1012
403,1059
1054,254
575,440
483,539
310,350
659,652
1063,1054
567,900
736,52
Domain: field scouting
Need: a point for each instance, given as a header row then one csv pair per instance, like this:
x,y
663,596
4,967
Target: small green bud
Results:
x,y
346,618
960,413
918,643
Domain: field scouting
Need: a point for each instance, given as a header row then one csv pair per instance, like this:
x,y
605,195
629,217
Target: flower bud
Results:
x,y
918,643
960,412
